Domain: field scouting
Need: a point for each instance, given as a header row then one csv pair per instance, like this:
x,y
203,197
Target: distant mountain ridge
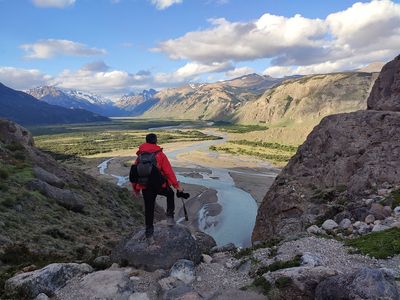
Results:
x,y
137,104
75,99
209,101
27,110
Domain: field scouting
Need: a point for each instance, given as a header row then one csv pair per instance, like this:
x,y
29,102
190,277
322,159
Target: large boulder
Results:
x,y
343,158
385,94
12,133
171,244
64,197
108,284
362,284
47,280
298,282
48,177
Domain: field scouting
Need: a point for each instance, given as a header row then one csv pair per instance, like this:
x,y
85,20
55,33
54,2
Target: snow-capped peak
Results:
x,y
92,98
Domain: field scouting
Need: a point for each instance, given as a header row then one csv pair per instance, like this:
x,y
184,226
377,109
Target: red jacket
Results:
x,y
163,165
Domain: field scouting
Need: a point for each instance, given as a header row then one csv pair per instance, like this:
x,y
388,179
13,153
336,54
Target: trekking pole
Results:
x,y
183,195
185,211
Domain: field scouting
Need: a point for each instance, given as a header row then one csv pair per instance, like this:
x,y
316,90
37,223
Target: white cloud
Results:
x,y
21,79
237,72
189,72
53,3
49,48
344,39
163,4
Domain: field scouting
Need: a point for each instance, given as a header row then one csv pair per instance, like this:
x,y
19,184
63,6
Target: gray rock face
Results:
x,y
183,292
48,177
302,281
98,285
362,284
47,280
385,94
223,248
183,270
171,244
10,133
355,151
206,242
65,198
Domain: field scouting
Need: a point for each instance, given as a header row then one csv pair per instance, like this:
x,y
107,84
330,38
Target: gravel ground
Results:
x,y
330,253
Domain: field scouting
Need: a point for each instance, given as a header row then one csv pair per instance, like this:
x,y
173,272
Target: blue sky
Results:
x,y
112,47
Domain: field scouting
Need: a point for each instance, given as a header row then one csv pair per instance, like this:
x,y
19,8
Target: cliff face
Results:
x,y
309,99
346,158
385,94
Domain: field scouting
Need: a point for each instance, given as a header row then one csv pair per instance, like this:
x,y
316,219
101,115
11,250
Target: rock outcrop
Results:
x,y
47,280
346,158
362,284
172,243
385,95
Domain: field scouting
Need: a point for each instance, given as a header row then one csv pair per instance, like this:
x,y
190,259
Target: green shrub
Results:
x,y
283,282
4,174
381,244
278,265
396,198
263,284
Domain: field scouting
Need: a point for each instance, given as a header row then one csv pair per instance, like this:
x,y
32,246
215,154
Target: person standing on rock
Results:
x,y
152,174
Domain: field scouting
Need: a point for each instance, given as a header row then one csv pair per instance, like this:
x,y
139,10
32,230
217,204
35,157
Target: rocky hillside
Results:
x,y
308,99
49,212
27,110
76,100
214,101
342,170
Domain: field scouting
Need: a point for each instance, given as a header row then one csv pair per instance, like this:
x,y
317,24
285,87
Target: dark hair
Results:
x,y
151,138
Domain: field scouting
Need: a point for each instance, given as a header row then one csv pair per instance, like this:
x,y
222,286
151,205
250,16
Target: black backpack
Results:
x,y
146,173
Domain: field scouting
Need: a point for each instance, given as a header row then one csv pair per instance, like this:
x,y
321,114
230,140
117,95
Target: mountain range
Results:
x,y
76,100
249,99
27,110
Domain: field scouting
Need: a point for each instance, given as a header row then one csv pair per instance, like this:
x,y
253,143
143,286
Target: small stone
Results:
x,y
357,224
370,219
183,270
379,211
363,228
379,227
368,201
114,266
376,222
224,248
314,229
383,192
388,210
397,210
345,224
134,278
102,262
206,258
42,296
395,225
310,260
329,225
168,283
139,296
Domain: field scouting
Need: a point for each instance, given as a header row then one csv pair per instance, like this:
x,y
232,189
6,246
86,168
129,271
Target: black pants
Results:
x,y
149,197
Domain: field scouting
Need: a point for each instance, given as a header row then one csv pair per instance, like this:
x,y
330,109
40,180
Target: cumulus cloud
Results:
x,y
21,79
49,48
189,72
53,3
163,4
237,72
341,40
96,66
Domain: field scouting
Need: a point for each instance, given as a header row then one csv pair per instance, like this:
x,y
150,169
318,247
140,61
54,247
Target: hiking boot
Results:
x,y
171,221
